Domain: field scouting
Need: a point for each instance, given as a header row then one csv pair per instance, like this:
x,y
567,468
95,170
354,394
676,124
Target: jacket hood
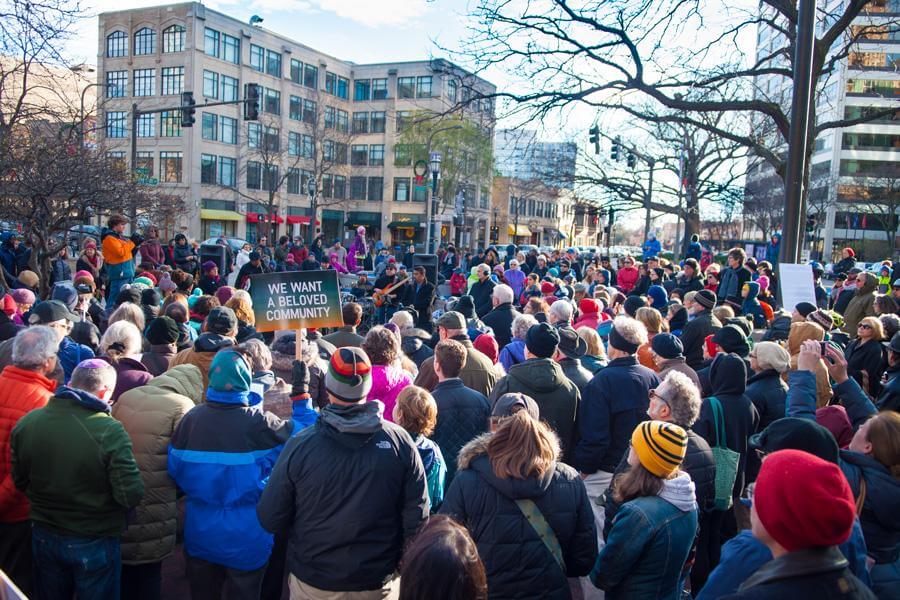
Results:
x,y
181,379
753,290
539,374
411,344
83,398
352,425
474,456
728,375
106,231
212,342
869,286
658,295
680,492
802,331
679,319
882,489
427,451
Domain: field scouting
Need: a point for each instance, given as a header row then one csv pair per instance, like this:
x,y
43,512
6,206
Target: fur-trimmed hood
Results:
x,y
473,450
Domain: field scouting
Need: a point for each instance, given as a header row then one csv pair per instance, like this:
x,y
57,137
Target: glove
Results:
x,y
299,379
137,238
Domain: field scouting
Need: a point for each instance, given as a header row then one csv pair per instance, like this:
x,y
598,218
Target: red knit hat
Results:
x,y
850,251
547,288
9,305
588,306
487,345
803,501
711,347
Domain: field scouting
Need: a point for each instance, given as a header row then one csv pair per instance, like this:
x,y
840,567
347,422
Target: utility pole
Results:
x,y
648,198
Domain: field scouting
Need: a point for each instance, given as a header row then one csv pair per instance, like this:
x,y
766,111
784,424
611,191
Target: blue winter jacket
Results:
x,y
512,354
752,308
435,470
651,247
221,455
695,251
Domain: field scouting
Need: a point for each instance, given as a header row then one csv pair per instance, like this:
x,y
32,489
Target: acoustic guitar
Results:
x,y
381,297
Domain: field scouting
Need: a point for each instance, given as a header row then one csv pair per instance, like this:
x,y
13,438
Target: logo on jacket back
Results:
x,y
384,445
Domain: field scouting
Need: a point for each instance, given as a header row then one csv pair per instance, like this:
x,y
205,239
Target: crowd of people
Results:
x,y
556,427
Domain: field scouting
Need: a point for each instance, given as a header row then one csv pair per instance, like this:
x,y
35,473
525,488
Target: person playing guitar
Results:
x,y
385,292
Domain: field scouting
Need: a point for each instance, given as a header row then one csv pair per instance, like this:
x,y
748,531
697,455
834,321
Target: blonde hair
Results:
x,y
522,447
652,320
877,327
593,341
128,312
723,312
416,411
243,308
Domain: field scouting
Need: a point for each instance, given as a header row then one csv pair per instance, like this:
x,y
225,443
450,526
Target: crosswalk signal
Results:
x,y
251,102
595,138
187,109
631,160
616,149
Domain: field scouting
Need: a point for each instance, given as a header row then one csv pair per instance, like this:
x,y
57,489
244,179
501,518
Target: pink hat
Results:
x,y
84,273
763,282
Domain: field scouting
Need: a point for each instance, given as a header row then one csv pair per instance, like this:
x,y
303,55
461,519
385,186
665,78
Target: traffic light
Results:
x,y
595,138
631,160
611,220
616,149
251,102
187,109
810,224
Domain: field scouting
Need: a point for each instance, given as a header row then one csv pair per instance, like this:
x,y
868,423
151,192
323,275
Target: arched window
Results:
x,y
117,44
173,38
145,41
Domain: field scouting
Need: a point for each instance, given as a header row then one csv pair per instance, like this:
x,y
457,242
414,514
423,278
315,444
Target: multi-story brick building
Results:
x,y
320,117
529,212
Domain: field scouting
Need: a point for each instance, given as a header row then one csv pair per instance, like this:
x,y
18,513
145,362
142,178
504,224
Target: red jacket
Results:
x,y
21,392
627,278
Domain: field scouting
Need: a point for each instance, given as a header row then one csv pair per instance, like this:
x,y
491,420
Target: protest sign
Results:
x,y
296,299
796,282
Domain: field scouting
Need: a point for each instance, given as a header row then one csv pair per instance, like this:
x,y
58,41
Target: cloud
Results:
x,y
371,13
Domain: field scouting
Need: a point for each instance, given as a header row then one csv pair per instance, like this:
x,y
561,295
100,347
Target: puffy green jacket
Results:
x,y
74,463
150,414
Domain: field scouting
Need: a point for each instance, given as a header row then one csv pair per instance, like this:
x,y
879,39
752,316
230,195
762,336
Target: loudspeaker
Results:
x,y
430,262
215,253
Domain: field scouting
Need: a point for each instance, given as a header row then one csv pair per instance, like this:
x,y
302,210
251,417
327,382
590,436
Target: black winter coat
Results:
x,y
728,376
576,373
414,346
463,414
517,563
889,399
500,319
481,293
694,334
8,327
870,358
767,391
881,507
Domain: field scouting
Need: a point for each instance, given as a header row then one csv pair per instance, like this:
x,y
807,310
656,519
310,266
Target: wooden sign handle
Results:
x,y
298,345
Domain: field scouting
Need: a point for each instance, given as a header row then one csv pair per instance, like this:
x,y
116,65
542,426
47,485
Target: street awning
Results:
x,y
519,230
402,225
253,217
299,220
213,214
557,232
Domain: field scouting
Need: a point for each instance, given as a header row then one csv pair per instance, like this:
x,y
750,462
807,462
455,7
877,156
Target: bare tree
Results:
x,y
765,211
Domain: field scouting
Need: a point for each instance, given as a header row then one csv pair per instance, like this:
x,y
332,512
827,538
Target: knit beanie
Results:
x,y
834,418
465,306
65,292
83,273
208,266
229,372
224,294
166,285
667,345
547,288
805,308
29,278
706,299
589,306
632,304
542,340
732,339
128,294
9,305
143,281
487,345
162,330
660,446
763,282
349,376
658,296
820,317
803,501
772,356
150,276
23,296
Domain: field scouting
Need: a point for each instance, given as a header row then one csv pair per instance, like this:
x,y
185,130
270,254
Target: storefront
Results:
x,y
218,218
298,219
371,221
332,226
519,234
406,229
263,225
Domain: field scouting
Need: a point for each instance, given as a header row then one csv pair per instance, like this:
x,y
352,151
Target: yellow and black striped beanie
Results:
x,y
660,446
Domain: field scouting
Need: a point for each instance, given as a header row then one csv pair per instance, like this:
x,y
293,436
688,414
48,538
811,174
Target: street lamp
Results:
x,y
85,69
311,190
434,163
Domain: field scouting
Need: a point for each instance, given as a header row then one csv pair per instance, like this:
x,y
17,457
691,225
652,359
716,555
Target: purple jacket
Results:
x,y
386,385
152,252
516,279
129,375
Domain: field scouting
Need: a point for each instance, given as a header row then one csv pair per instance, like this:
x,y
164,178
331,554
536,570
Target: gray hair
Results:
x,y
34,346
124,333
562,311
402,319
632,330
132,313
242,295
521,324
258,355
683,398
485,268
93,377
504,293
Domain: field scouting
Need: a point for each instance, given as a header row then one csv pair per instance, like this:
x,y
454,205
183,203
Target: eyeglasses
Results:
x,y
864,326
653,394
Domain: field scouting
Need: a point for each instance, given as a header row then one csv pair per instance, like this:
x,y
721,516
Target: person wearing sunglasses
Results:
x,y
865,356
862,304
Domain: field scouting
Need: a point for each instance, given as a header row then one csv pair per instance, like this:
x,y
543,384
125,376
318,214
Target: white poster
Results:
x,y
796,282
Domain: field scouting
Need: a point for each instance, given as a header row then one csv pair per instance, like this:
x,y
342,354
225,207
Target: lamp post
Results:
x,y
434,164
311,190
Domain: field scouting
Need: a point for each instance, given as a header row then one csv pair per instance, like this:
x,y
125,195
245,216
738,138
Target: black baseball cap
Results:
x,y
221,320
509,404
792,433
51,311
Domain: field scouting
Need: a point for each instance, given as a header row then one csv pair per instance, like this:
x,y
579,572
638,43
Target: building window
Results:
x,y
145,82
423,87
452,90
402,155
144,42
328,151
211,39
144,160
360,122
308,148
357,188
379,89
340,187
117,44
210,126
116,124
172,80
117,159
330,82
341,152
311,76
231,49
254,175
170,123
228,130
273,63
208,169
376,189
146,125
116,84
272,139
406,87
210,85
170,167
401,189
227,171
272,101
173,38
296,71
376,155
337,85
403,117
420,194
378,121
293,181
327,188
229,88
342,122
257,58
295,108
294,143
254,135
329,117
309,111
359,155
362,90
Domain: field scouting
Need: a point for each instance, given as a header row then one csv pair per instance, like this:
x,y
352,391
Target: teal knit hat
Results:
x,y
229,372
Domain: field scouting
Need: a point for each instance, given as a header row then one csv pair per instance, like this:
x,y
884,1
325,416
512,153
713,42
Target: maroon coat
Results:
x,y
152,252
129,375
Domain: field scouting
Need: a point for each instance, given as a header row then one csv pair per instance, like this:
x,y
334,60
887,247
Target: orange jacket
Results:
x,y
21,392
116,250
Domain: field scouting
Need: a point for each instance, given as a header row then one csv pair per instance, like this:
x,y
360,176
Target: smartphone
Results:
x,y
823,346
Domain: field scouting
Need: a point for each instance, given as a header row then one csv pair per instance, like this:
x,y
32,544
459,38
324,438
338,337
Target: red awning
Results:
x,y
257,217
299,220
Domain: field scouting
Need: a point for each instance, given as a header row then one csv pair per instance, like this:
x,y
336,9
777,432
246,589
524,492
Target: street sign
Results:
x,y
142,170
148,181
